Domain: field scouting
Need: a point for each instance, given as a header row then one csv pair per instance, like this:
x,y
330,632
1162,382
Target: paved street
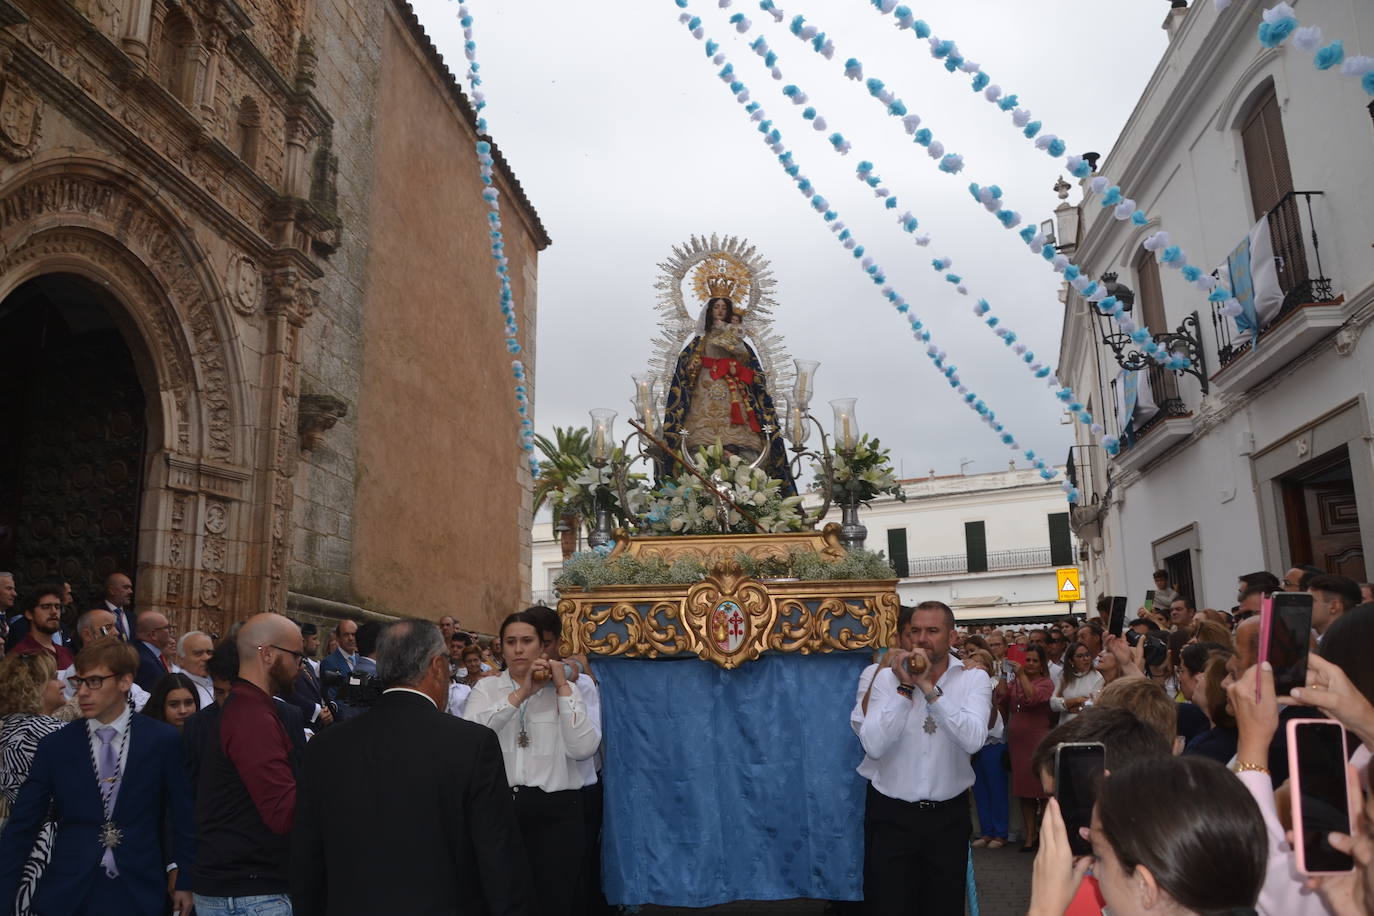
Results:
x,y
1003,876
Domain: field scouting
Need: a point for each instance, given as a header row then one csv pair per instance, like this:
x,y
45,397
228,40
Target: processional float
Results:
x,y
726,631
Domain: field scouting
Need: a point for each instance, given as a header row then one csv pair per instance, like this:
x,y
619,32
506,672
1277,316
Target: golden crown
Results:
x,y
722,275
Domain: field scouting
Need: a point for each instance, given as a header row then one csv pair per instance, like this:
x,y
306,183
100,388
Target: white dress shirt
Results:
x,y
205,688
906,762
591,695
457,698
1084,686
559,730
856,715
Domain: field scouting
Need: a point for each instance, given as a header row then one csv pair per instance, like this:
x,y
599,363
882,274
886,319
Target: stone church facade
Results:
x,y
252,342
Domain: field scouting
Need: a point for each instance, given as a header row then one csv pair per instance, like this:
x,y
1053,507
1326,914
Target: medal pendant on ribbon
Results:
x,y
524,739
929,725
110,835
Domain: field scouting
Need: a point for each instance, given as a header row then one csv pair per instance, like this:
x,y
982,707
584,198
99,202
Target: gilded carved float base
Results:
x,y
728,617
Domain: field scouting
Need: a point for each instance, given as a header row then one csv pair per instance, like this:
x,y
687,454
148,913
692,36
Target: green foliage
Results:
x,y
807,564
591,570
565,457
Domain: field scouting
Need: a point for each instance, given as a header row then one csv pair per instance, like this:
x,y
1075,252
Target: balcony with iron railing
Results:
x,y
1253,346
998,561
1154,426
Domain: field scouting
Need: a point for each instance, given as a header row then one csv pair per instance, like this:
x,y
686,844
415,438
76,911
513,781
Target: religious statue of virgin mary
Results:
x,y
718,391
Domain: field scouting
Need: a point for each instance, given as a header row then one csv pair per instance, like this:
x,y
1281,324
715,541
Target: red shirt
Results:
x,y
1088,901
62,654
253,739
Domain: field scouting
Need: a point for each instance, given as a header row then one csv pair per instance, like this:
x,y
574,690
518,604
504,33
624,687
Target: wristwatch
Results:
x,y
934,694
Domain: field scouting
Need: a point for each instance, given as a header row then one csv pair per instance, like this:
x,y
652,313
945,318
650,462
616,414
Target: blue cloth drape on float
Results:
x,y
731,785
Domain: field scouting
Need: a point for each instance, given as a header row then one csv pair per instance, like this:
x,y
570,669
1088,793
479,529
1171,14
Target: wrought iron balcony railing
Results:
x,y
1168,401
1296,254
998,561
1079,469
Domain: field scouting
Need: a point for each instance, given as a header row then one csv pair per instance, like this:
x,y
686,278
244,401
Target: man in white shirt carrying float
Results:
x,y
918,735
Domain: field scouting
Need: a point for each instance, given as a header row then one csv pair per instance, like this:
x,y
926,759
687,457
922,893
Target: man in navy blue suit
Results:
x,y
107,778
155,641
343,659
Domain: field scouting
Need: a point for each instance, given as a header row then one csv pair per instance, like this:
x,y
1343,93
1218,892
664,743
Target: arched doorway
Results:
x,y
71,477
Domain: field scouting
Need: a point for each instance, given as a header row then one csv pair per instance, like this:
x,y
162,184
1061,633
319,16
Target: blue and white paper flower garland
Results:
x,y
773,138
498,244
1280,24
1123,208
865,172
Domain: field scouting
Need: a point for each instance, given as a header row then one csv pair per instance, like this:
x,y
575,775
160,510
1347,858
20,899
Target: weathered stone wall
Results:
x,y
347,38
441,512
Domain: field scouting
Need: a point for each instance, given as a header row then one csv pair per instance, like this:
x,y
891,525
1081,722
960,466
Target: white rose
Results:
x,y
676,524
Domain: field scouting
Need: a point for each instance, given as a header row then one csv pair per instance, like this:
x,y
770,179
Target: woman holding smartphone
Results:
x,y
1207,857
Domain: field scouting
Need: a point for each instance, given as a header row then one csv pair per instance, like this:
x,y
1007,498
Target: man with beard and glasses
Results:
x,y
43,611
246,779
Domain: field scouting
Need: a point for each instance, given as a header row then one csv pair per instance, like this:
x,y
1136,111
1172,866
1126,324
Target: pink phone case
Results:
x,y
1295,794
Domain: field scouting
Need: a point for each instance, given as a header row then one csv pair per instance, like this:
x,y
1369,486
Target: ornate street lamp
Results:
x,y
1135,348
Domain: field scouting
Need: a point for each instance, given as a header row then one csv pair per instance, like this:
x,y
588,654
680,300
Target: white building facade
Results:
x,y
1257,164
986,544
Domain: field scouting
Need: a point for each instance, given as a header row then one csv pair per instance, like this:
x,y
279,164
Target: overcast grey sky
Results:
x,y
627,143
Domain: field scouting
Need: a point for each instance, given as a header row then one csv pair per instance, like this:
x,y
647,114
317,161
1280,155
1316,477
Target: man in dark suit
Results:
x,y
305,693
343,659
154,643
437,808
110,778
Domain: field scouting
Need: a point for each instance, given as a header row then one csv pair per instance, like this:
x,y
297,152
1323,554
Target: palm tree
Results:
x,y
567,456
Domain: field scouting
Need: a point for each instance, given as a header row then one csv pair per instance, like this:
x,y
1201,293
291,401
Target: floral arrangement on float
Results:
x,y
684,505
862,475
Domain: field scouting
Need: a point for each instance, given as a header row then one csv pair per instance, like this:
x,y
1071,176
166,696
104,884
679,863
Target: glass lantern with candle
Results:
x,y
846,425
602,435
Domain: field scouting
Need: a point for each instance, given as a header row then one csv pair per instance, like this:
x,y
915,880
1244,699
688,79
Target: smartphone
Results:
x,y
1285,636
1117,622
1017,653
1078,770
1150,600
1320,793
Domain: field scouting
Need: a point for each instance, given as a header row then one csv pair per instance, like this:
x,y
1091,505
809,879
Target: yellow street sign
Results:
x,y
1069,588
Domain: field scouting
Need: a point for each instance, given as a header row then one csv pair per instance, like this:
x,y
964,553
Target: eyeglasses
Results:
x,y
160,629
93,681
299,656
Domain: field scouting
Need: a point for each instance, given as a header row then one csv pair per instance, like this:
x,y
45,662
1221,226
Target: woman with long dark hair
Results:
x,y
174,700
1219,741
541,720
1079,683
1207,856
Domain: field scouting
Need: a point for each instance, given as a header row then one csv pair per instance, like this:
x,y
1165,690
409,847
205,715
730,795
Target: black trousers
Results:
x,y
915,855
592,811
555,837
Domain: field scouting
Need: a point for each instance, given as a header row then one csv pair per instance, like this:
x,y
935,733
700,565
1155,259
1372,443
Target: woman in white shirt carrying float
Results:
x,y
541,720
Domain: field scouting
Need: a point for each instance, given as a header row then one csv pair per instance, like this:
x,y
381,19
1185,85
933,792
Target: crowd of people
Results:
x,y
1193,815
238,774
416,768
